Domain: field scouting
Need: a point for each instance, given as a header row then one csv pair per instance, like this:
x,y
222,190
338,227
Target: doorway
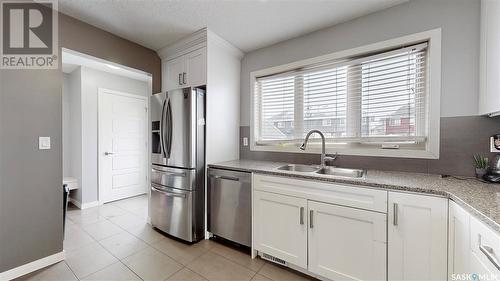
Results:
x,y
106,128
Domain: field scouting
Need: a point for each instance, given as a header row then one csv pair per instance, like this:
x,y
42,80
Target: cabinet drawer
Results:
x,y
485,246
340,194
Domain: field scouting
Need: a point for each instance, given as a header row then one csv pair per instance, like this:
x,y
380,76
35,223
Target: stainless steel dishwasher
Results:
x,y
230,205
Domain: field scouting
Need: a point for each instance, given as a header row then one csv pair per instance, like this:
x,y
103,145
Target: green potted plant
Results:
x,y
481,164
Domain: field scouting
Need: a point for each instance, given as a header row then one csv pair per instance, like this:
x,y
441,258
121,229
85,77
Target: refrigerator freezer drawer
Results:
x,y
173,177
172,211
229,205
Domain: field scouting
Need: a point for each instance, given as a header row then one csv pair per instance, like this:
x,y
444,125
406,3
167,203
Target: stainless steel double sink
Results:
x,y
328,170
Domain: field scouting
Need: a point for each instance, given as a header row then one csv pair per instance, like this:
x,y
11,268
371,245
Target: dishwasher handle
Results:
x,y
227,178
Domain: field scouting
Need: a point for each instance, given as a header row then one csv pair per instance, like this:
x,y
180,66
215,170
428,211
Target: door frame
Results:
x,y
100,93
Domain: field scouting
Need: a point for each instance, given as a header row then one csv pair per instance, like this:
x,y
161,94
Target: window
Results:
x,y
360,102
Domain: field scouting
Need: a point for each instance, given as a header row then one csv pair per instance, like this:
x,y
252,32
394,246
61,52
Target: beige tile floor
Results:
x,y
114,242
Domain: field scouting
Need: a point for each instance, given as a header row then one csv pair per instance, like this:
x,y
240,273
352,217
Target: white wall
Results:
x,y
66,126
223,83
91,81
83,85
72,154
459,20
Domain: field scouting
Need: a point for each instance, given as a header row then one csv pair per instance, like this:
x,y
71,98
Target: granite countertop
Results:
x,y
481,199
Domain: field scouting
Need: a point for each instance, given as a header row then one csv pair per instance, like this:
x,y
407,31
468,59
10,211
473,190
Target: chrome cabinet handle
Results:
x,y
311,214
301,215
395,214
108,153
227,178
489,253
184,78
180,79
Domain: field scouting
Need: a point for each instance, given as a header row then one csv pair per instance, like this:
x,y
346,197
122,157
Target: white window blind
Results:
x,y
374,98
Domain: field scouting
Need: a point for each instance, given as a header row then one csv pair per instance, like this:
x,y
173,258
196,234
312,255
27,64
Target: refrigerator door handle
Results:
x,y
168,121
162,124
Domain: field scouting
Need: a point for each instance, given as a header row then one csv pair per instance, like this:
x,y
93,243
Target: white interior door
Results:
x,y
123,145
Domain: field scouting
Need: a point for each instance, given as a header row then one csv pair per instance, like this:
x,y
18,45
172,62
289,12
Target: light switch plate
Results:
x,y
43,143
245,141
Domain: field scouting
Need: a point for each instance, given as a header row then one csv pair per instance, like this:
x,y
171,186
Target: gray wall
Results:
x,y
31,106
461,138
462,133
459,20
30,179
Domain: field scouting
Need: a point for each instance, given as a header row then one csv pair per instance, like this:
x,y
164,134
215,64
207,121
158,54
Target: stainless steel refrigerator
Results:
x,y
178,163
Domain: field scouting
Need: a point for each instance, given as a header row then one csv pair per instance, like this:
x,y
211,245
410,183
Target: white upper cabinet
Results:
x,y
172,73
489,98
196,67
346,243
188,70
280,227
204,58
417,237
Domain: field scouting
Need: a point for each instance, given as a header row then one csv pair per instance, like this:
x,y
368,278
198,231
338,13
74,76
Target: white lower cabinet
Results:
x,y
280,227
417,237
346,243
458,241
485,251
323,239
474,249
334,232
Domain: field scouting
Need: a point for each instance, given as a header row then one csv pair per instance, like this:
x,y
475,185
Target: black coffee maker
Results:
x,y
493,174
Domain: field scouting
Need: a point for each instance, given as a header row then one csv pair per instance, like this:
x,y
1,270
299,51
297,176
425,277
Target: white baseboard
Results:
x,y
32,266
84,205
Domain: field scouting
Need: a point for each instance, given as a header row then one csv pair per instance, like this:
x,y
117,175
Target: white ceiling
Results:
x,y
248,24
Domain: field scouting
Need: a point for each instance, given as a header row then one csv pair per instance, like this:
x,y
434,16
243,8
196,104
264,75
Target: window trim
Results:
x,y
434,97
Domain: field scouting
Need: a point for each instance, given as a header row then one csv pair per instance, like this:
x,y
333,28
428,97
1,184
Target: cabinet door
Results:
x,y
173,72
280,227
489,101
459,240
485,251
196,68
346,243
417,237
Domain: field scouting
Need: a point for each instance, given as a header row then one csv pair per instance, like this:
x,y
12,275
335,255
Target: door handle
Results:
x,y
169,194
395,214
311,215
227,178
489,253
301,215
108,153
180,79
184,78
